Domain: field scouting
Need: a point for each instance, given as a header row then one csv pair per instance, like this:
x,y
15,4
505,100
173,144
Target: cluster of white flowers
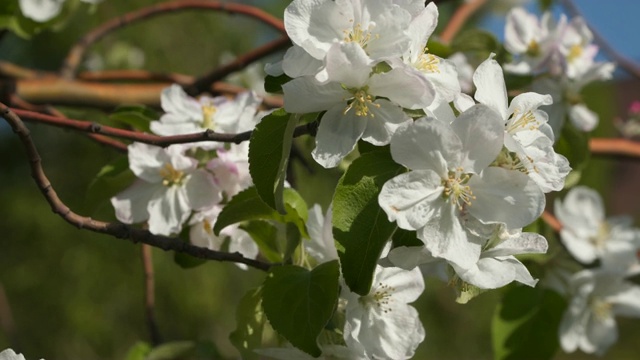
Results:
x,y
597,294
563,50
173,184
379,325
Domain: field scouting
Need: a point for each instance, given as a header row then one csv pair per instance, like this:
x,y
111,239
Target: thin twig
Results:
x,y
459,18
552,221
156,140
623,148
150,295
624,62
118,230
134,75
203,83
115,144
75,56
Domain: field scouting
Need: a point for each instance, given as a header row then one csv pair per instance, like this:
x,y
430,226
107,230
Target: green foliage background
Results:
x,y
73,294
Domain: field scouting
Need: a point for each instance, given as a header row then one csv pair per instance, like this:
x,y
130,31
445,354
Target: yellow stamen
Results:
x,y
358,35
171,176
207,116
361,102
455,189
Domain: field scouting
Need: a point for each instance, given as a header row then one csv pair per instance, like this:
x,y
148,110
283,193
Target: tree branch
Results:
x,y
203,83
74,57
118,230
151,139
624,62
457,21
552,221
624,148
150,295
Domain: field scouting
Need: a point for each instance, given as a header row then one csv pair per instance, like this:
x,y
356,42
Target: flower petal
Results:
x,y
490,87
337,136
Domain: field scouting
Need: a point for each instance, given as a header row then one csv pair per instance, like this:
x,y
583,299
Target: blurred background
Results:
x,y
72,294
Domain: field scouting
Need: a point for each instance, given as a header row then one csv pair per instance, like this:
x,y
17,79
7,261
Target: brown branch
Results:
x,y
115,144
552,221
156,140
624,62
118,230
75,56
149,295
459,18
624,148
203,83
134,75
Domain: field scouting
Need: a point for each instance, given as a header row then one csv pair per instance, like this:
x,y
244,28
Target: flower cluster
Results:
x,y
379,325
597,294
565,51
192,182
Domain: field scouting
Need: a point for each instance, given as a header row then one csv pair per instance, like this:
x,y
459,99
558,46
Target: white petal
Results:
x,y
421,28
407,285
426,144
600,334
489,273
315,24
583,118
348,64
481,132
490,87
168,210
201,191
408,258
131,204
321,246
146,161
386,119
523,243
297,62
306,95
337,136
408,198
403,87
626,301
41,10
505,196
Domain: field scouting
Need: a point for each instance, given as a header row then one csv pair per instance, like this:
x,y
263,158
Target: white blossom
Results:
x,y
589,236
44,10
597,296
168,188
450,178
382,322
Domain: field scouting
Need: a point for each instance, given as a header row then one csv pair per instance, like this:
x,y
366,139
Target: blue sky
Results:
x,y
617,21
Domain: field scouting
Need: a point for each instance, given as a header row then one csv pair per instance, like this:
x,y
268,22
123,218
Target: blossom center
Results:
x,y
456,190
207,116
359,35
600,308
206,224
600,239
512,161
533,49
427,63
361,102
526,121
171,176
574,52
380,298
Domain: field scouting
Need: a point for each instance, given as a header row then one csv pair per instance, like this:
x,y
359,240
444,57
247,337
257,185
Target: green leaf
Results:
x,y
269,150
299,302
136,116
439,49
247,205
265,236
293,241
110,180
138,351
525,324
476,40
406,238
273,84
514,81
360,226
175,350
186,261
250,320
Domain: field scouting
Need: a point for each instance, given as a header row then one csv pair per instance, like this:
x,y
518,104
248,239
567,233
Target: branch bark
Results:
x,y
460,16
118,230
74,57
623,148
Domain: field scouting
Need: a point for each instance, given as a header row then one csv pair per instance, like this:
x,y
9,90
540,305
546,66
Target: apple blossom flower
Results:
x,y
230,169
186,115
168,188
351,98
450,178
567,101
201,234
45,10
321,246
496,267
588,236
382,322
378,27
528,138
9,354
597,296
